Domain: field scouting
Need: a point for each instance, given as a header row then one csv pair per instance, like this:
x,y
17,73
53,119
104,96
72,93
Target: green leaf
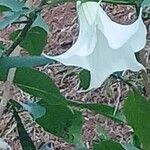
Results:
x,y
107,145
18,61
38,84
76,129
146,2
25,139
35,109
85,79
3,74
137,110
14,104
34,41
81,148
3,9
135,141
40,22
129,147
58,119
61,121
28,80
103,109
14,5
24,61
9,19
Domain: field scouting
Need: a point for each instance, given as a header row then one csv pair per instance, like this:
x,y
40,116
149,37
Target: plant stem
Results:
x,y
14,50
20,22
8,84
23,34
32,17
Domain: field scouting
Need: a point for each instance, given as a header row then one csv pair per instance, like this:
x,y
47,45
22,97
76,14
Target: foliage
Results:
x,y
52,111
137,110
84,79
25,139
107,145
34,41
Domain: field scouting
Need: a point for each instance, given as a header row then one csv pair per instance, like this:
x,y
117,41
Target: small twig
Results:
x,y
6,96
20,22
32,16
14,50
23,34
5,128
118,101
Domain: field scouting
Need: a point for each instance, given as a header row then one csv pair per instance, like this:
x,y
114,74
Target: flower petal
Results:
x,y
91,10
79,61
94,49
104,61
117,34
87,37
138,40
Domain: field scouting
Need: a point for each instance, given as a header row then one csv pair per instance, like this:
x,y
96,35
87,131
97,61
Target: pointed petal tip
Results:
x,y
118,34
91,10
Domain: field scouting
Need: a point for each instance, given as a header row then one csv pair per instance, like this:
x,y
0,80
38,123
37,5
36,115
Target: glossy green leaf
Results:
x,y
15,104
40,22
146,2
137,110
84,79
129,147
34,41
3,9
135,141
69,123
103,109
58,118
9,19
50,93
38,84
76,129
25,139
61,121
35,109
24,61
18,61
81,148
107,145
14,5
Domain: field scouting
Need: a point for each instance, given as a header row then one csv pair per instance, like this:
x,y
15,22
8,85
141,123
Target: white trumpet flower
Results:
x,y
104,46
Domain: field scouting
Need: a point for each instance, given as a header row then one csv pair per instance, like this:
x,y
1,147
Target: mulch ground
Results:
x,y
63,24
